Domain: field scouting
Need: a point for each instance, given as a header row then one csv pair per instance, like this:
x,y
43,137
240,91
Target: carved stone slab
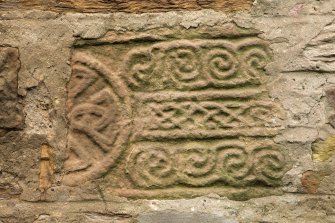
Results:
x,y
161,115
10,113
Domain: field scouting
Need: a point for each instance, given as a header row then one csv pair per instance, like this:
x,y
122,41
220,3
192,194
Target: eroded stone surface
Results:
x,y
320,50
10,112
177,217
127,6
282,209
173,114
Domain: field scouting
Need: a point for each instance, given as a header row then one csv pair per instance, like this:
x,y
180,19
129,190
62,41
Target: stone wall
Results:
x,y
167,111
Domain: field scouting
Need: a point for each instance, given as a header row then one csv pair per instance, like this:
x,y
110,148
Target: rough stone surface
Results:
x,y
178,116
126,5
10,112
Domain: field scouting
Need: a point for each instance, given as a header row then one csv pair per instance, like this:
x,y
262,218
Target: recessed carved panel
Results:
x,y
156,165
158,115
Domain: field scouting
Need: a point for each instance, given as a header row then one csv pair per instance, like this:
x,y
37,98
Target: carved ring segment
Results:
x,y
99,114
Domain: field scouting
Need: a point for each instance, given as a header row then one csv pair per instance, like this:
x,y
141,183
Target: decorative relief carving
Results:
x,y
179,113
211,115
196,64
10,111
234,163
99,114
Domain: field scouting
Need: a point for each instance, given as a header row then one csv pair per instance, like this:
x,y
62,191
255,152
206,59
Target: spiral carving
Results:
x,y
151,167
268,165
255,58
140,66
234,164
198,64
184,65
222,64
196,166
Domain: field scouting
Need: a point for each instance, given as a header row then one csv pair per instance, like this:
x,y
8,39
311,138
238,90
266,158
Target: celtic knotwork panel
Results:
x,y
212,115
173,115
197,164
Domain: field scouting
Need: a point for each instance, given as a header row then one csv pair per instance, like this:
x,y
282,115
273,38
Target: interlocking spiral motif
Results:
x,y
256,60
268,164
231,164
234,163
222,64
156,167
195,166
188,65
141,67
183,63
